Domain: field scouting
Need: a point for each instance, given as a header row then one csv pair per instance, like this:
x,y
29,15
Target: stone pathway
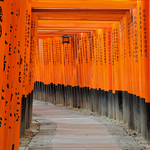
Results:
x,y
63,129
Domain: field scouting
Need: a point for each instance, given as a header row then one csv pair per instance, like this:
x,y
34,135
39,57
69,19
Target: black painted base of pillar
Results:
x,y
114,106
99,103
119,105
104,103
131,115
138,111
124,99
110,108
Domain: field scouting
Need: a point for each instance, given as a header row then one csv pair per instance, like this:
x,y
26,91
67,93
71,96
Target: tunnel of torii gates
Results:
x,y
103,68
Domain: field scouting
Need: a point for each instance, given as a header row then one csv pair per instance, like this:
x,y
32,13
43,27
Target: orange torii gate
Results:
x,y
107,58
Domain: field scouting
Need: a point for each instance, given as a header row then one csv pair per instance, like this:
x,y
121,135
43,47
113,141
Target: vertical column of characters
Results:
x,y
118,78
132,54
124,61
49,60
99,40
113,56
86,58
28,46
90,59
27,49
62,62
75,72
105,59
78,60
129,50
34,48
44,61
69,63
93,59
4,58
121,48
45,71
53,59
25,55
83,60
56,61
65,63
47,51
136,56
101,59
118,54
31,54
109,35
140,46
52,55
96,60
72,61
57,56
145,49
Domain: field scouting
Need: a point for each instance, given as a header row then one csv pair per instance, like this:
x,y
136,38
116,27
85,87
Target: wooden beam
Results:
x,y
74,24
67,31
60,33
81,17
78,11
100,4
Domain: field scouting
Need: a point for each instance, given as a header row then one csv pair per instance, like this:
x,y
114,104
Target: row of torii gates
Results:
x,y
102,65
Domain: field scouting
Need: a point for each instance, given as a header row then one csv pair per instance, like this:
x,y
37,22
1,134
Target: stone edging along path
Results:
x,y
42,141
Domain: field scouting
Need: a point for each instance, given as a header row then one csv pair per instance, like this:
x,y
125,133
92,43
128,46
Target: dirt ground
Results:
x,y
30,133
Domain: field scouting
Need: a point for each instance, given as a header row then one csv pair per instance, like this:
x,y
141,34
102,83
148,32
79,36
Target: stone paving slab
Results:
x,y
63,129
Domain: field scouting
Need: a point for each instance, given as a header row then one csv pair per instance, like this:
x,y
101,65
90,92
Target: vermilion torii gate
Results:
x,y
104,68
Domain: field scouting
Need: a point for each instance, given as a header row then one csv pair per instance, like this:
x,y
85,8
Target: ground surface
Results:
x,y
63,129
30,133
